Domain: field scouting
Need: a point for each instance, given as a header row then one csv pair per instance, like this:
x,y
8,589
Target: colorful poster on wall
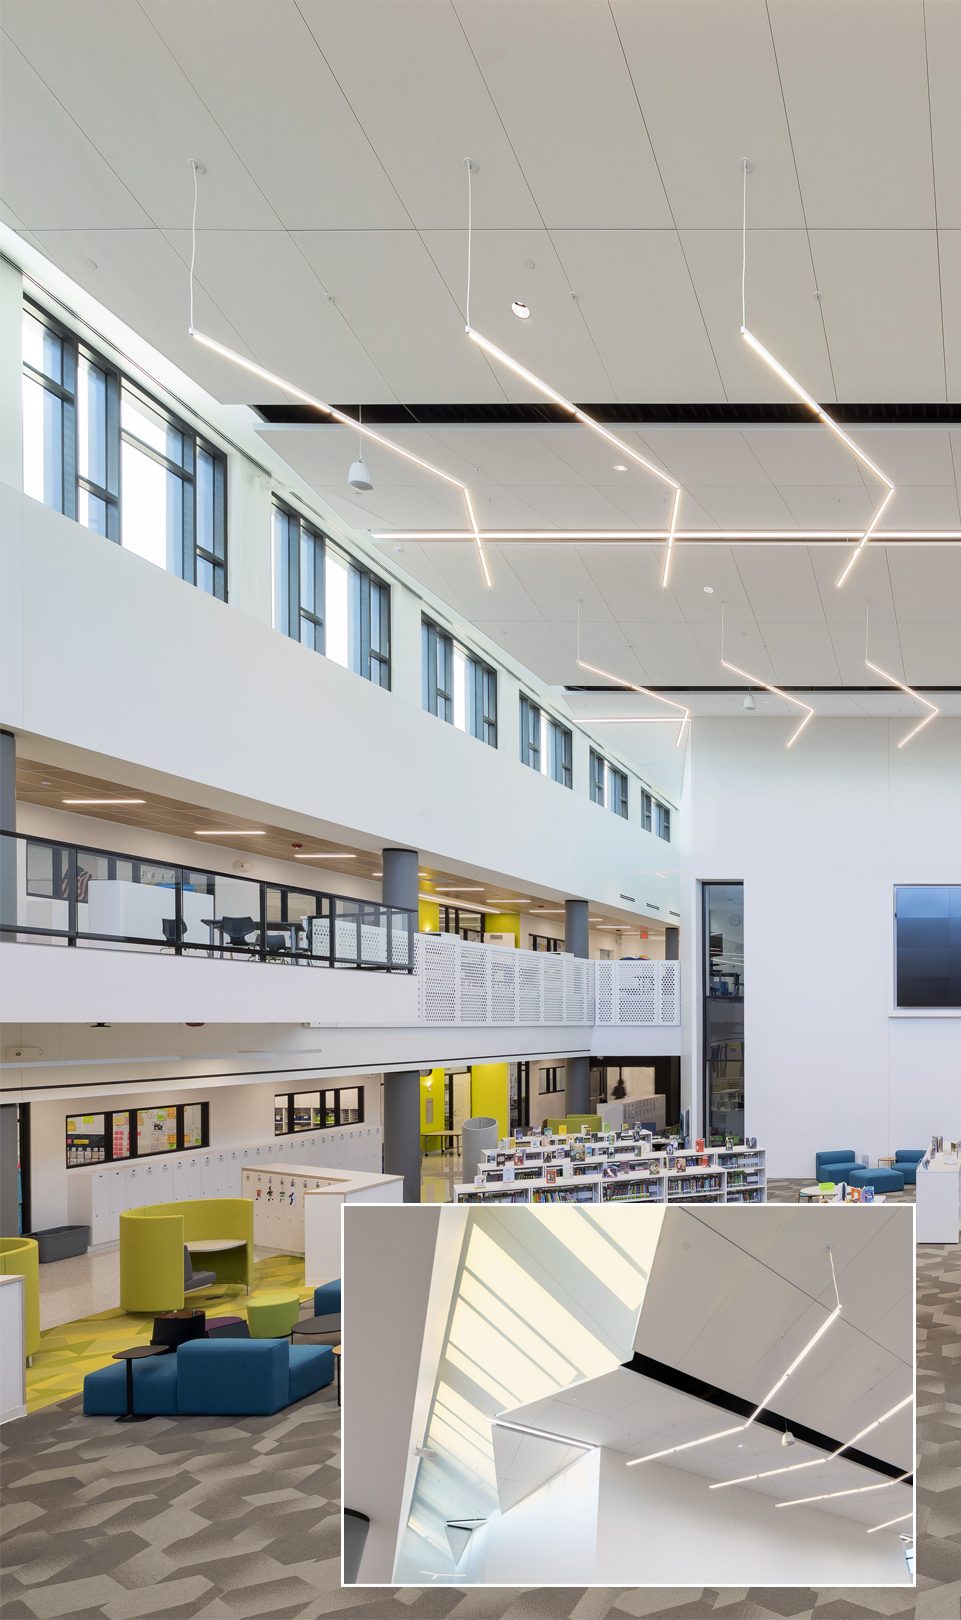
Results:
x,y
156,1130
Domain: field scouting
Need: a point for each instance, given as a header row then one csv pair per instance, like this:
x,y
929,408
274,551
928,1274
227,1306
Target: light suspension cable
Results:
x,y
271,377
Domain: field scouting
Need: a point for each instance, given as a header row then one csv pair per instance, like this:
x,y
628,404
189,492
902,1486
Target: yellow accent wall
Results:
x,y
428,916
505,922
490,1093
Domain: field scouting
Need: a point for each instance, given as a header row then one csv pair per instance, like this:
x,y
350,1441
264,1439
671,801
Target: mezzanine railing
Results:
x,y
77,895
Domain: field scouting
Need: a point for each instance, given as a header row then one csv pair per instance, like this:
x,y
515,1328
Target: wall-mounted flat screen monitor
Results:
x,y
927,930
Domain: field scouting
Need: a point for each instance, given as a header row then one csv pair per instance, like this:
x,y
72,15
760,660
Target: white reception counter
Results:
x,y
939,1199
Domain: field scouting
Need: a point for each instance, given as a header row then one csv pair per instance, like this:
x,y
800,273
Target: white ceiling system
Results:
x,y
334,133
331,249
732,1302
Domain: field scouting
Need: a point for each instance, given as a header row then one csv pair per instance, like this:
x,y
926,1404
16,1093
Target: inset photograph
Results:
x,y
625,1396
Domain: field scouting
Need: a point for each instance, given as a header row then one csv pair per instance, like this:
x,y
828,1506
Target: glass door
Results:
x,y
723,1010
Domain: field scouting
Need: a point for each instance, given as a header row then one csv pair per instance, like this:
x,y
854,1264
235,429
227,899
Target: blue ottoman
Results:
x,y
154,1388
311,1368
881,1179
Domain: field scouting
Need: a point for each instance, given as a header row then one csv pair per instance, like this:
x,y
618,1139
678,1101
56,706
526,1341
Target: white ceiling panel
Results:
x,y
557,84
917,506
261,77
408,72
781,587
855,88
810,455
635,293
830,506
801,654
574,506
880,296
931,653
608,647
144,116
502,455
910,455
731,107
931,593
949,243
78,191
751,506
535,645
666,651
628,578
243,272
698,455
782,311
387,287
867,588
942,25
558,580
520,264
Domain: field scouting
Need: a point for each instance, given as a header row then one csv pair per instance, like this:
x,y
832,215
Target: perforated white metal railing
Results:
x,y
464,982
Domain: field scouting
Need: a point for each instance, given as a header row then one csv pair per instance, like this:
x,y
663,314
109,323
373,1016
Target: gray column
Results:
x,y
8,823
578,1085
575,928
672,944
398,885
402,1130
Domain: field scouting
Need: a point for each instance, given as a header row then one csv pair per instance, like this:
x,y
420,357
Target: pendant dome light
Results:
x,y
358,477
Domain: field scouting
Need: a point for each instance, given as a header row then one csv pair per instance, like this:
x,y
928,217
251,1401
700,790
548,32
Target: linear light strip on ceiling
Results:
x,y
764,537
544,1434
739,1428
854,1490
645,691
888,1523
276,381
815,1462
845,438
909,690
585,418
756,680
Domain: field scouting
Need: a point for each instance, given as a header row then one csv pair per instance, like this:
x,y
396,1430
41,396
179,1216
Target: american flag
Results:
x,y
83,880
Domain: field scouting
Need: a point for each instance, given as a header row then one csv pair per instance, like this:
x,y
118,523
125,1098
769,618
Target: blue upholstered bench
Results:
x,y
880,1178
327,1299
213,1377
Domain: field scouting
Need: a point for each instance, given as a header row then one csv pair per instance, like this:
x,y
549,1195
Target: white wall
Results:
x,y
548,1539
238,1115
820,835
693,1536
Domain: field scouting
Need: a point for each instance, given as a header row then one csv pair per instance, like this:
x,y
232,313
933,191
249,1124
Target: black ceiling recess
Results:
x,y
614,415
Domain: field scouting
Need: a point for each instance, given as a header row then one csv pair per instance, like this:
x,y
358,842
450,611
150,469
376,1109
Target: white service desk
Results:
x,y
13,1385
938,1197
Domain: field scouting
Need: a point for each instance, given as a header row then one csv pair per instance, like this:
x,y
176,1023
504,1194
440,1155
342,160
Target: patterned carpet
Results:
x,y
218,1519
69,1352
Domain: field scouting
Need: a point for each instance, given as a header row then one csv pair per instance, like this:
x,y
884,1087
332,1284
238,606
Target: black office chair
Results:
x,y
239,930
174,931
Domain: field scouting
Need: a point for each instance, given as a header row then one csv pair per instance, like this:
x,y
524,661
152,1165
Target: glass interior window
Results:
x,y
156,1131
193,1125
306,1110
86,1139
461,663
92,422
152,429
152,509
42,349
42,444
120,1135
337,574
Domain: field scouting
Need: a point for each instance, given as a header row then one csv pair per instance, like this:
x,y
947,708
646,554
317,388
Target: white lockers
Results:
x,y
97,1197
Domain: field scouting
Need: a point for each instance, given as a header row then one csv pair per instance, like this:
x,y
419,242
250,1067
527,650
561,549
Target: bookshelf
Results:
x,y
615,1168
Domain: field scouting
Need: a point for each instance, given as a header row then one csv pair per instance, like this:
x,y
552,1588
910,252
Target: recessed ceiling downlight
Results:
x,y
521,310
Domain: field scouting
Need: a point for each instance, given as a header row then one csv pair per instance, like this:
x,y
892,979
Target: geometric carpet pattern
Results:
x,y
67,1353
238,1519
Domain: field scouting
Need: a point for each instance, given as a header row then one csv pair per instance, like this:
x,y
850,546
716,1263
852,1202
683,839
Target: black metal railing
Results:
x,y
77,895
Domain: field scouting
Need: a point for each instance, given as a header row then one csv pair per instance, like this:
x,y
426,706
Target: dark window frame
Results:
x,y
560,752
135,1108
365,658
193,549
530,732
286,1100
550,1073
294,530
437,670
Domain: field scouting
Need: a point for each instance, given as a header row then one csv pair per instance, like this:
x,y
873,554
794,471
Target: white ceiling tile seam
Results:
x,y
276,381
739,1428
